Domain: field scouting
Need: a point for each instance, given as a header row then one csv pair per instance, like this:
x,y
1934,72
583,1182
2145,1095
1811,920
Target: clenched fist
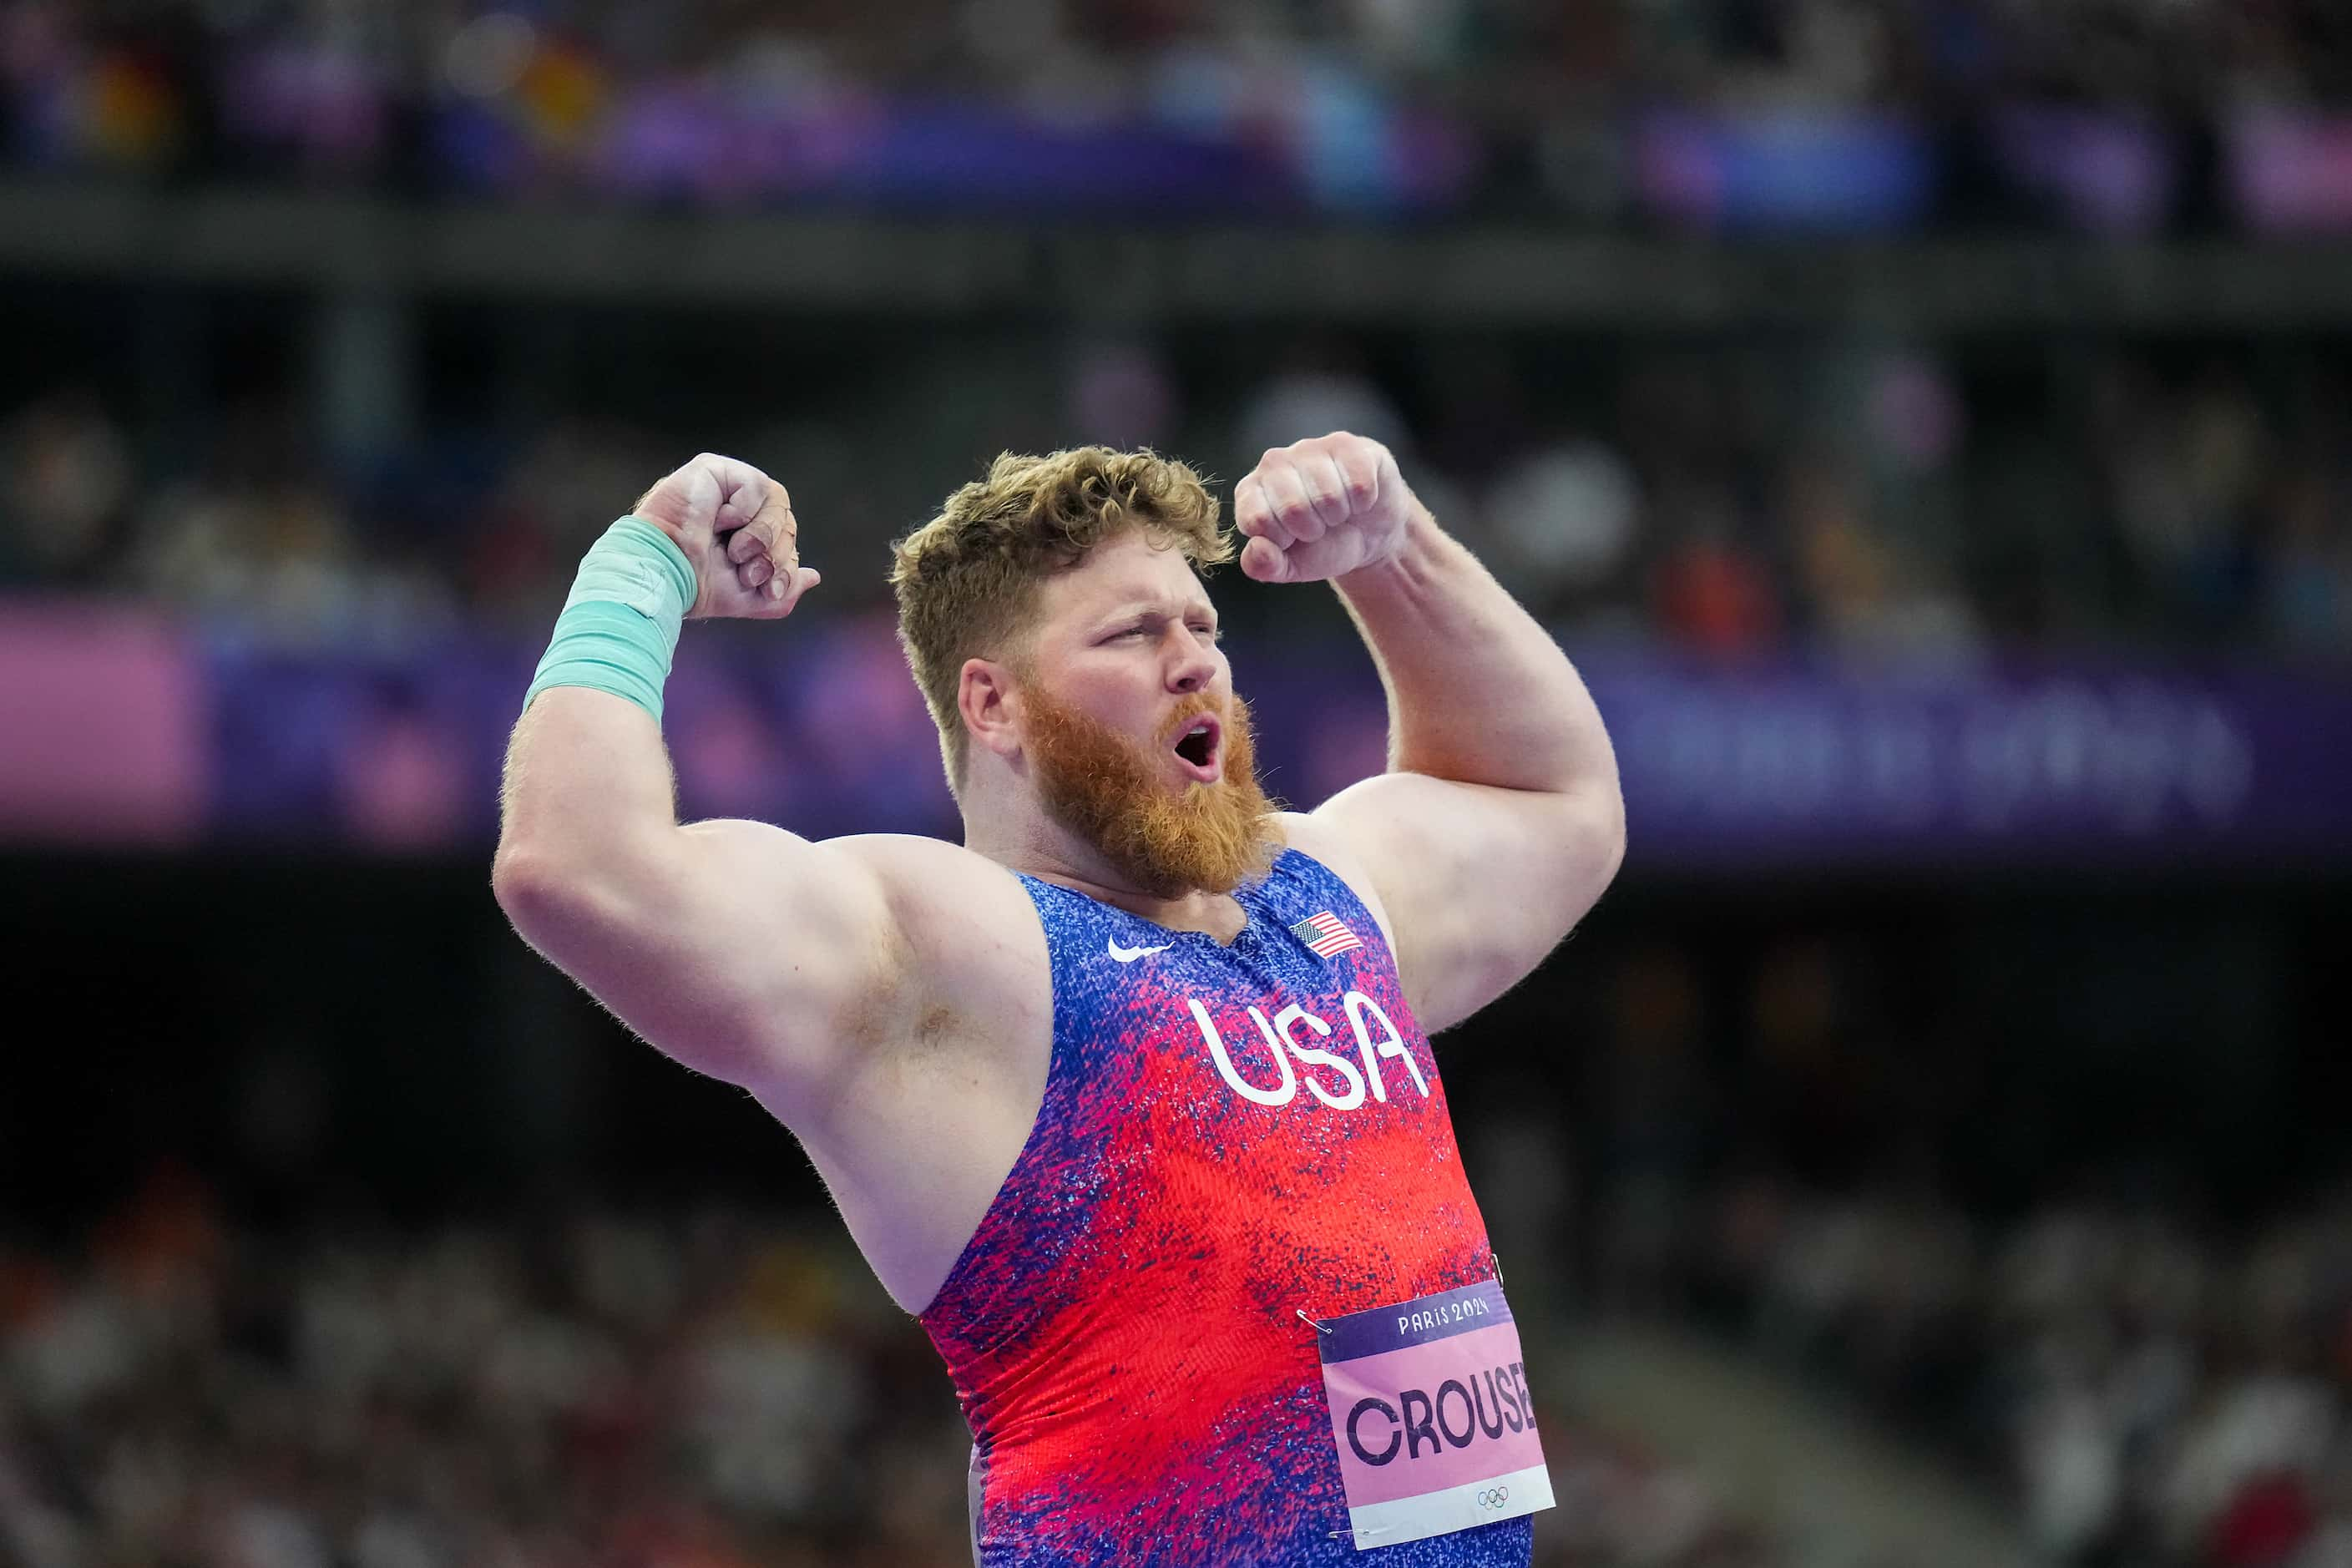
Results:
x,y
1321,509
736,525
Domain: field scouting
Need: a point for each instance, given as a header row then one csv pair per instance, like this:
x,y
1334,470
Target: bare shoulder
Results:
x,y
922,872
1329,843
967,945
1376,822
1476,882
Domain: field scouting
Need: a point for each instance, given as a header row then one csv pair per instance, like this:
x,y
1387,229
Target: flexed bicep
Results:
x,y
776,963
1477,884
733,947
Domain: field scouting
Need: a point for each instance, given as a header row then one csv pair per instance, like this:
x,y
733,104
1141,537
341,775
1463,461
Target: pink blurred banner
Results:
x,y
105,728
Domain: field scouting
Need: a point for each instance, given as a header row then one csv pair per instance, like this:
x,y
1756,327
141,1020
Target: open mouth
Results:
x,y
1197,746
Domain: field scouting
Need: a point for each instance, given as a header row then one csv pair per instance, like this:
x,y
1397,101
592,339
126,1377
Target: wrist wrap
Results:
x,y
619,628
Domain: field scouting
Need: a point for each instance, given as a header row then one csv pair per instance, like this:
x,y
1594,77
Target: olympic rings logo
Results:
x,y
1493,1497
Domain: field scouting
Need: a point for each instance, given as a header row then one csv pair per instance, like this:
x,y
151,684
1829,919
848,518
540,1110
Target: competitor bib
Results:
x,y
1430,1412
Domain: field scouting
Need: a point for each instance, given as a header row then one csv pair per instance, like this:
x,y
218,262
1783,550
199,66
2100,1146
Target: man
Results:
x,y
1128,1099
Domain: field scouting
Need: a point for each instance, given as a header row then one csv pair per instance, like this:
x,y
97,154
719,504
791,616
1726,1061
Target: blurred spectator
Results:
x,y
1868,592
1711,591
1320,386
1121,394
1564,520
2307,577
66,482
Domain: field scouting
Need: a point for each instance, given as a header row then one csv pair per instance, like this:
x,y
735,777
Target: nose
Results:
x,y
1193,665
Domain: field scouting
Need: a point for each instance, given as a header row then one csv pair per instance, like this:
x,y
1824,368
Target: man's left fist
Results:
x,y
1321,509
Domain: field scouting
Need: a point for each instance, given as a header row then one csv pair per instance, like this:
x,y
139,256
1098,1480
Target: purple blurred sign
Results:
x,y
2050,764
1784,170
325,106
689,142
2291,170
122,728
2110,171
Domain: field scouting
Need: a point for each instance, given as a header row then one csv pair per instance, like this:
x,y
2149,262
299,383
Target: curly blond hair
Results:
x,y
968,580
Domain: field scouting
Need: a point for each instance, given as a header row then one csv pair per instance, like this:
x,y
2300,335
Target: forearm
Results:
x,y
1478,692
587,779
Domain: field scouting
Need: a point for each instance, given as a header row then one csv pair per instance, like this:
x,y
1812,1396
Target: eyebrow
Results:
x,y
1138,608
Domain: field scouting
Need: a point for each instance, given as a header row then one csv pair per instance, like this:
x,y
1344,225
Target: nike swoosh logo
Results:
x,y
1129,955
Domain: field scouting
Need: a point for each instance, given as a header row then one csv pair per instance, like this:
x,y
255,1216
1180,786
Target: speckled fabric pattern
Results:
x,y
1124,1328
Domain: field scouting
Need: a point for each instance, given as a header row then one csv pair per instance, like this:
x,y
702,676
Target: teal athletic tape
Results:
x,y
619,627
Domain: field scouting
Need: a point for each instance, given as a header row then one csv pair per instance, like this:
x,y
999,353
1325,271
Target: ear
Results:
x,y
989,705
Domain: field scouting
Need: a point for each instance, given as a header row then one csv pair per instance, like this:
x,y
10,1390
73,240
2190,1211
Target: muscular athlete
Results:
x,y
1128,1098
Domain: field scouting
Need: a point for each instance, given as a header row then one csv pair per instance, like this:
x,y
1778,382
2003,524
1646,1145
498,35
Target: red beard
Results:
x,y
1112,792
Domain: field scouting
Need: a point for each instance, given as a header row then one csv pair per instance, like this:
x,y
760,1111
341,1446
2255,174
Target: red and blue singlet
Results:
x,y
1230,1136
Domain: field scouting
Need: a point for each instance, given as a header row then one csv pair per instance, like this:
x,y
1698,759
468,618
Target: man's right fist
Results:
x,y
736,525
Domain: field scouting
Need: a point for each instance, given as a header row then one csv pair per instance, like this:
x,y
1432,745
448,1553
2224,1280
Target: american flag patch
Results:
x,y
1323,935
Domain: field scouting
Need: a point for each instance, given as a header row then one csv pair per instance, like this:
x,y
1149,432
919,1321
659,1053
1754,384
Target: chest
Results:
x,y
1253,1039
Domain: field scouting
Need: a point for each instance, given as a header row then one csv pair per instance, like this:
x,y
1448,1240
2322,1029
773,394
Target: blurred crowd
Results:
x,y
1733,501
707,1389
2095,112
2049,1181
2140,1371
2146,1395
2146,1370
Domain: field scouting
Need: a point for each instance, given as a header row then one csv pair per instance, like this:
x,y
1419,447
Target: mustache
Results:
x,y
1193,708
1110,788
